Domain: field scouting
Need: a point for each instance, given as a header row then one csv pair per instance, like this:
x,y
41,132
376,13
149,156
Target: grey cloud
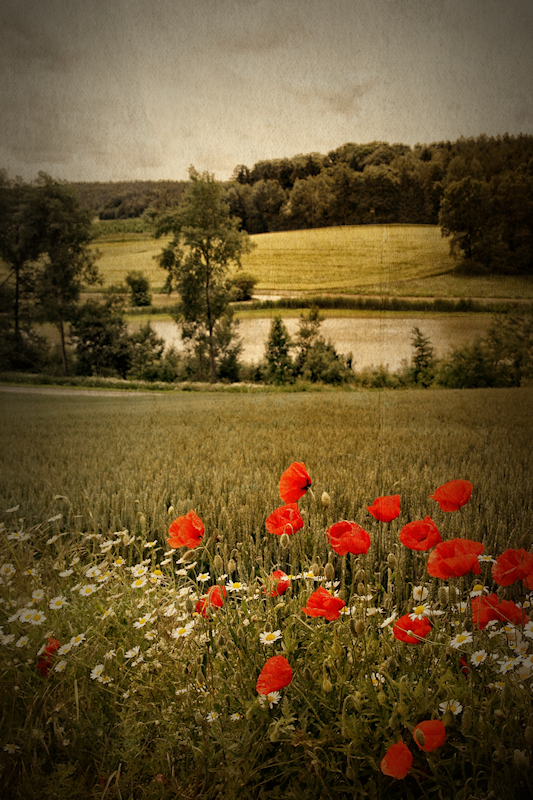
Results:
x,y
341,100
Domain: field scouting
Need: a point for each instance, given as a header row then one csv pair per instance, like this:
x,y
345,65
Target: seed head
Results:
x,y
325,500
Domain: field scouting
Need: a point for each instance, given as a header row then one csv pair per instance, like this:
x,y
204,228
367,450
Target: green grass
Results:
x,y
86,484
400,260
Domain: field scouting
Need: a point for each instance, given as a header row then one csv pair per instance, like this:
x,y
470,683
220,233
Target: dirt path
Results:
x,y
74,391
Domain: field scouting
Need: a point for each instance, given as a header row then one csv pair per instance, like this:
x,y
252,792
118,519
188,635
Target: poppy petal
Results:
x,y
452,495
275,674
294,482
397,761
385,509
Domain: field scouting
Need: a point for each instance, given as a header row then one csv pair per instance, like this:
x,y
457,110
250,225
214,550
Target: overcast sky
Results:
x,y
138,89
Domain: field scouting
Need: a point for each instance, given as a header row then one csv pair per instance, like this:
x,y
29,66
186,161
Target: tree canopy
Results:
x,y
206,242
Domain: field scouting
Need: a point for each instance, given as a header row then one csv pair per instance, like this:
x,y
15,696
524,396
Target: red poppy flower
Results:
x,y
276,674
278,582
186,531
454,558
397,761
465,669
294,482
45,662
411,631
512,565
285,519
488,607
434,734
510,612
323,604
452,495
421,535
348,537
385,509
213,599
484,609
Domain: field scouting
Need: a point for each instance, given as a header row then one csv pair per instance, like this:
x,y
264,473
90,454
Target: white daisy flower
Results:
x,y
478,589
7,638
119,562
57,602
183,631
97,671
390,619
66,573
60,666
37,595
212,716
478,657
109,613
11,748
78,639
106,546
271,699
235,717
420,593
451,705
64,648
22,642
460,639
31,571
236,586
139,570
37,618
269,637
87,589
508,664
142,621
18,536
93,572
7,571
151,544
75,560
150,635
377,679
138,583
203,576
133,652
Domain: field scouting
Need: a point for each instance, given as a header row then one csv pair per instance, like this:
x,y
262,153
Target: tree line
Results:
x,y
479,190
45,235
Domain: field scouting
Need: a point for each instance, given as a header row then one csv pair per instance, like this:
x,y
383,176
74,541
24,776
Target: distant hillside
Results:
x,y
128,199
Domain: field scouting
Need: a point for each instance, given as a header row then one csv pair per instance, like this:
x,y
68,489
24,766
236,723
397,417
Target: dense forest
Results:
x,y
479,190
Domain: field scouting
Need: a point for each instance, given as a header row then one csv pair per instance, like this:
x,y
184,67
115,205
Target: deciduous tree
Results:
x,y
206,242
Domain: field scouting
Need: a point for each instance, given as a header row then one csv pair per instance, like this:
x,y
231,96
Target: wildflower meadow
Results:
x,y
324,595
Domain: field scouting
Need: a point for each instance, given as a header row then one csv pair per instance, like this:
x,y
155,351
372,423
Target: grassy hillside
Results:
x,y
373,259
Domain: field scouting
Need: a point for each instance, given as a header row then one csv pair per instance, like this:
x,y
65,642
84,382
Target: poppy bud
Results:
x,y
189,605
357,696
521,760
189,555
329,571
448,719
327,686
350,773
232,566
499,714
142,521
500,753
381,698
361,588
466,720
507,693
170,511
419,736
392,561
360,575
402,709
316,569
443,595
218,563
325,500
393,722
336,649
284,541
528,735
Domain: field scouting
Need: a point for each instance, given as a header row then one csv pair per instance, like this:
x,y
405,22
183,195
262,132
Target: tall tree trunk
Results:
x,y
61,327
210,326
